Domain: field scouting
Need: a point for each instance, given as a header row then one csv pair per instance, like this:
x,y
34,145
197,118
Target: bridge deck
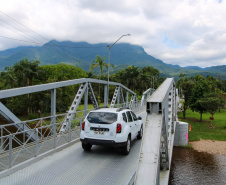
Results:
x,y
149,163
74,166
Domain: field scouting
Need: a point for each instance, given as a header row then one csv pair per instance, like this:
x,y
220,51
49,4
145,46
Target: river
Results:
x,y
192,167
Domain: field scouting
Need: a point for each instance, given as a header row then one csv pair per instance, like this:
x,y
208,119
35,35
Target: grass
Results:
x,y
202,130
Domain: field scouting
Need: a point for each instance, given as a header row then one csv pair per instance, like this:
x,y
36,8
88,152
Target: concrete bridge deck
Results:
x,y
74,166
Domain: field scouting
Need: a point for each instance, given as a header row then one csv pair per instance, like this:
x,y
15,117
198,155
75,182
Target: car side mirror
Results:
x,y
139,118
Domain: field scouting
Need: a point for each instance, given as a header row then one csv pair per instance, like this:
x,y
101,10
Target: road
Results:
x,y
72,165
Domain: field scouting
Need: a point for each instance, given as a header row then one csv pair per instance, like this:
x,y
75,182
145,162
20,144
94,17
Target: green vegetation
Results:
x,y
201,94
25,73
203,130
203,98
34,105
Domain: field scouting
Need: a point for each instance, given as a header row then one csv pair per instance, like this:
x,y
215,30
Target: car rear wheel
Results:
x,y
126,148
140,133
86,146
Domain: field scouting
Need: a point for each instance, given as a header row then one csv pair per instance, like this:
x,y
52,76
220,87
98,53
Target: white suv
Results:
x,y
111,127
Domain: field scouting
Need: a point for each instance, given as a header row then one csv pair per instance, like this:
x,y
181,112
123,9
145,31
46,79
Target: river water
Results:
x,y
192,167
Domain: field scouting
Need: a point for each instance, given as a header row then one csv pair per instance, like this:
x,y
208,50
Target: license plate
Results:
x,y
99,132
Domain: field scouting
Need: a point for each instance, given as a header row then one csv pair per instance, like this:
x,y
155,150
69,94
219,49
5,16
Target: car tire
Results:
x,y
86,146
140,133
126,148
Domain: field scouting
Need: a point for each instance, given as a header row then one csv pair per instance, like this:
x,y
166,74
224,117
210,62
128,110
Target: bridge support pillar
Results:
x,y
181,134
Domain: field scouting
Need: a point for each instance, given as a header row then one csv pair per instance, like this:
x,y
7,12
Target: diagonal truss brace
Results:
x,y
92,96
116,94
164,156
132,101
122,97
11,118
72,111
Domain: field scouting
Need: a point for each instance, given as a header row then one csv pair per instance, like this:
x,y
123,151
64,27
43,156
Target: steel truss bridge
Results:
x,y
47,150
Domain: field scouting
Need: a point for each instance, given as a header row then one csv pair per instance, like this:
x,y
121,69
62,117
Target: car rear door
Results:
x,y
131,124
136,122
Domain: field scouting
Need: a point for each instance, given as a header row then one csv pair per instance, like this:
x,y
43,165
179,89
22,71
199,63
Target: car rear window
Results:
x,y
102,117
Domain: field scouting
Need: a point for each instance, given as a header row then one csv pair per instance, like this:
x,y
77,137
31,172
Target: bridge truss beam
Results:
x,y
11,118
157,145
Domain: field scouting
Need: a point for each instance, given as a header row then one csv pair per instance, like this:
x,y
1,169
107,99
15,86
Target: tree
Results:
x,y
98,62
16,76
26,71
182,75
8,79
212,102
186,85
65,95
147,76
199,89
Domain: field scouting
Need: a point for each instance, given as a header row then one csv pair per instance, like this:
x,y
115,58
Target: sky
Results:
x,y
179,32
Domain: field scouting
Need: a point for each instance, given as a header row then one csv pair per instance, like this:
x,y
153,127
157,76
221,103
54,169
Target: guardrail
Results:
x,y
16,148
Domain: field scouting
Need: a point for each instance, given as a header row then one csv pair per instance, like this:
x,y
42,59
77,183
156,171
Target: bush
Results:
x,y
32,116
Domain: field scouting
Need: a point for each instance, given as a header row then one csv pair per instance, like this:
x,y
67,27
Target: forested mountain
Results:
x,y
83,53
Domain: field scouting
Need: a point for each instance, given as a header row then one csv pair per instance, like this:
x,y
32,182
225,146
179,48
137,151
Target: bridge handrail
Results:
x,y
7,149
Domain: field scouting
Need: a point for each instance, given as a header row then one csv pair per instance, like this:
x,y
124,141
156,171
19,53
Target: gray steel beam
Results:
x,y
11,118
127,98
92,96
105,95
118,97
53,110
43,87
8,115
72,111
85,101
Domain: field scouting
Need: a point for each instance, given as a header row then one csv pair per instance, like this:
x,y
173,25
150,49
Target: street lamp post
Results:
x,y
109,47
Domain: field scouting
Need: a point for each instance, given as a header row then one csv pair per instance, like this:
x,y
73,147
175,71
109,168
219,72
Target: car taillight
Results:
x,y
83,125
119,128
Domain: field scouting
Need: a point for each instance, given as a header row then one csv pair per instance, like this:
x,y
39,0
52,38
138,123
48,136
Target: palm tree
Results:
x,y
98,62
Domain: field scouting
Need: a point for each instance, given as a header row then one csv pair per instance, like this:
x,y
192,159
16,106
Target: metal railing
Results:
x,y
16,148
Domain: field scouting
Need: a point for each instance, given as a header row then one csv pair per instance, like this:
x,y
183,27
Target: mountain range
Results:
x,y
82,54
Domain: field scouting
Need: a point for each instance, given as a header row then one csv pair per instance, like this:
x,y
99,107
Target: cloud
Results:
x,y
189,32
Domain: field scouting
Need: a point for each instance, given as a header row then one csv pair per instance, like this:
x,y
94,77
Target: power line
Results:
x,y
47,40
19,39
18,29
13,31
39,43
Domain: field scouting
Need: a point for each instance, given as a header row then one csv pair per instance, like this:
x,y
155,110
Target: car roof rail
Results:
x,y
102,107
122,108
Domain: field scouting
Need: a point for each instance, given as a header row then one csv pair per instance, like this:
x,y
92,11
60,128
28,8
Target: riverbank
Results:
x,y
201,129
210,146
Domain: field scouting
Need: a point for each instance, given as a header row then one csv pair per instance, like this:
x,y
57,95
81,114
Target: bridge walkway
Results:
x,y
74,166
